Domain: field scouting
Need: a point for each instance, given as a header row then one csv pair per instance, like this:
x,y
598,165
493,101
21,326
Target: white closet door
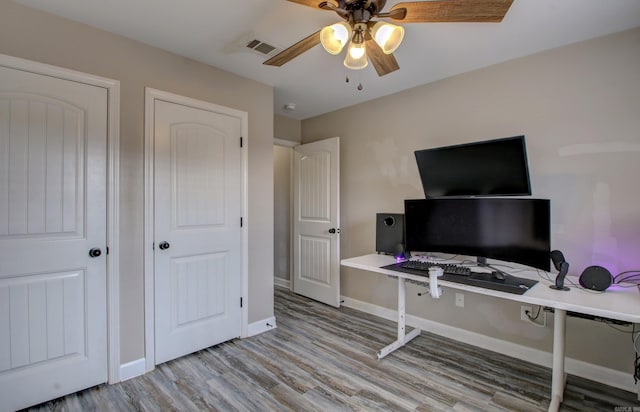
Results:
x,y
53,136
198,235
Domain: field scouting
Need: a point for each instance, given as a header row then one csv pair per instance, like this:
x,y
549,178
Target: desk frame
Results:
x,y
403,337
558,375
374,263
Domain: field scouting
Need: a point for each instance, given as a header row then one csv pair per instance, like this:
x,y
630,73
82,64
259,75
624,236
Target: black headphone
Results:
x,y
562,266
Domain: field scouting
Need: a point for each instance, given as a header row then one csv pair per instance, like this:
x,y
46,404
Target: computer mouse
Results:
x,y
497,275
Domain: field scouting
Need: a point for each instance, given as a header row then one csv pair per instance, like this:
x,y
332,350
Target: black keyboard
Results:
x,y
448,268
464,275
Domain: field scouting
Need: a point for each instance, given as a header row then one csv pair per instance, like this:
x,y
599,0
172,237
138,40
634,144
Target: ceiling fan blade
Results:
x,y
383,63
315,3
452,11
295,50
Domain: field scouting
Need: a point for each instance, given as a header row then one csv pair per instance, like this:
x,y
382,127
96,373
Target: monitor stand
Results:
x,y
497,273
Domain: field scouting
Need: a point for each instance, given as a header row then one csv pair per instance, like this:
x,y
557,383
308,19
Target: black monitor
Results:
x,y
489,168
508,229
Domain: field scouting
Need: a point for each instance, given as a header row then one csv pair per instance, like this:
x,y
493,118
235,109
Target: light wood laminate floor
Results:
x,y
324,359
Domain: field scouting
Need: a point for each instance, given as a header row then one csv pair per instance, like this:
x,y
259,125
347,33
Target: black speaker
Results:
x,y
596,278
390,233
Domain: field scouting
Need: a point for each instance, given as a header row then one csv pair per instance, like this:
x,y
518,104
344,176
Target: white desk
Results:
x,y
620,304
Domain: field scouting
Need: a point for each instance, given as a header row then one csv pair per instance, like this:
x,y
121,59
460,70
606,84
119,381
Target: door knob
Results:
x,y
164,245
95,252
334,230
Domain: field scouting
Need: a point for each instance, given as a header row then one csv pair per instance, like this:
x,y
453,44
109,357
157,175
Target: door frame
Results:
x,y
149,282
113,183
290,145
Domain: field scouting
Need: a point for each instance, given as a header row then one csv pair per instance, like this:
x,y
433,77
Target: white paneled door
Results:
x,y
197,229
53,136
316,221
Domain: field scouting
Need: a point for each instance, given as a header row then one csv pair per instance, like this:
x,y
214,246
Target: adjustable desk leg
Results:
x,y
402,337
558,376
635,327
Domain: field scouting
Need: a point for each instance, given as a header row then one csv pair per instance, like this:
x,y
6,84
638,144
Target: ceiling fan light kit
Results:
x,y
376,40
333,38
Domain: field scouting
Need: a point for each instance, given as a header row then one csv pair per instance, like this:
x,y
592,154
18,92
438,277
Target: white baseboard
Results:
x,y
132,369
261,326
283,283
138,367
575,367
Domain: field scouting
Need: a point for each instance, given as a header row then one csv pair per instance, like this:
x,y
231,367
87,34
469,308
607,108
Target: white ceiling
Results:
x,y
215,32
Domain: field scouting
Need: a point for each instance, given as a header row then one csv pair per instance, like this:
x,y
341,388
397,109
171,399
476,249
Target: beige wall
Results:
x,y
286,128
579,107
45,38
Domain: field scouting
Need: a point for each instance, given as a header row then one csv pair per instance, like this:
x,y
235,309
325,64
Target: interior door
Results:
x,y
197,231
316,221
53,136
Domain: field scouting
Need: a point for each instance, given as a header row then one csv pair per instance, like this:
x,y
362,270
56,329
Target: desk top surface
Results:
x,y
615,303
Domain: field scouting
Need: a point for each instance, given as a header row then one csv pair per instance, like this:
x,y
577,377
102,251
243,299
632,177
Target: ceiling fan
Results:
x,y
378,39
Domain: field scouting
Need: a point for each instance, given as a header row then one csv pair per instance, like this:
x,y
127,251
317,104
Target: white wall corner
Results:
x,y
596,373
261,326
132,369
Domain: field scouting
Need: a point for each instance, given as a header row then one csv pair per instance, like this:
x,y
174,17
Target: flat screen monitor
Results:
x,y
489,168
508,229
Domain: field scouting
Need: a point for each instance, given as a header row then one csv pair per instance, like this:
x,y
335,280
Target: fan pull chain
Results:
x,y
360,87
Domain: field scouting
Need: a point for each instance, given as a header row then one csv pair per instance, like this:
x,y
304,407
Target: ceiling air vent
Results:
x,y
262,48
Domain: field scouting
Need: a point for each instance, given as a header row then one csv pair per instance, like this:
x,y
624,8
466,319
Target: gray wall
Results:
x,y
579,107
282,163
42,37
288,129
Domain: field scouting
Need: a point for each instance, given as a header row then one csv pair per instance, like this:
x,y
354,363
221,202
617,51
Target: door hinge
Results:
x,y
240,301
107,250
241,141
241,222
153,246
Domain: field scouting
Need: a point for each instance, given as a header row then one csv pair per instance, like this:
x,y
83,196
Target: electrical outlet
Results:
x,y
523,312
460,300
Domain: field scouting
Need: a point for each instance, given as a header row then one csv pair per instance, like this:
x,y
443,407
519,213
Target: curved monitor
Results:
x,y
489,168
513,230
